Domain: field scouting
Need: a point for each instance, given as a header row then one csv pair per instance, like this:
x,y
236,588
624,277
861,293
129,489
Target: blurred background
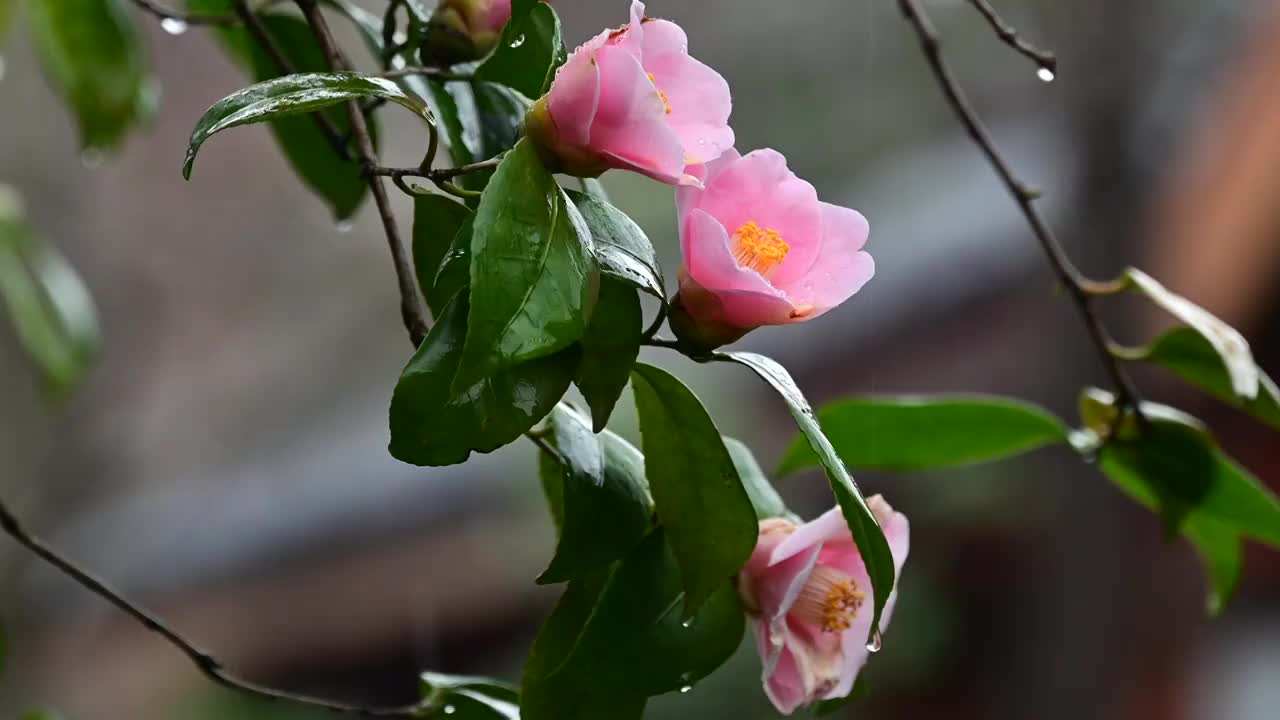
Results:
x,y
225,461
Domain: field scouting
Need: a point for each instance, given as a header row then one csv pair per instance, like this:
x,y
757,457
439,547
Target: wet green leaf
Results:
x,y
455,268
1189,355
529,52
610,347
436,222
471,698
93,56
533,280
915,432
862,522
430,425
700,499
621,247
764,498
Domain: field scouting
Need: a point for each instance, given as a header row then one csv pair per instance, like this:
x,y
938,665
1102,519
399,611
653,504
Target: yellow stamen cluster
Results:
x,y
666,101
759,249
831,600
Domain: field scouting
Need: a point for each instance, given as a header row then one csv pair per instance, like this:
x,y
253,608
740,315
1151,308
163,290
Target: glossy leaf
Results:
x,y
499,113
699,497
621,247
430,425
866,531
455,268
533,279
1177,468
764,498
529,52
1226,340
51,310
1222,552
619,637
606,508
92,54
1189,355
294,95
471,698
610,347
918,432
436,221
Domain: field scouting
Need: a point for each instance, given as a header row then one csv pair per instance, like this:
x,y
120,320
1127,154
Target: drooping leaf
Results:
x,y
471,698
430,425
533,280
93,56
1176,467
1189,355
50,308
618,638
610,347
1226,340
1222,552
862,522
764,498
436,221
294,95
621,247
529,52
916,433
699,497
606,507
455,268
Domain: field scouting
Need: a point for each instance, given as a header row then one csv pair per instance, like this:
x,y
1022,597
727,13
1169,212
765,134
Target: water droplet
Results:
x,y
873,645
687,623
518,41
400,37
91,158
343,227
685,688
449,709
173,25
1045,74
776,640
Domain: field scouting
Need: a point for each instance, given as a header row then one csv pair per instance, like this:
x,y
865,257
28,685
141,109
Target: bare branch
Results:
x,y
1047,61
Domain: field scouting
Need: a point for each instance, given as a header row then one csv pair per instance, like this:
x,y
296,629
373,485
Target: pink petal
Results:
x,y
784,681
687,198
828,526
575,94
897,530
699,100
841,267
629,123
710,260
631,36
662,37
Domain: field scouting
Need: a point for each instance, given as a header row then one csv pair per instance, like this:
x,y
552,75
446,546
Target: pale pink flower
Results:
x,y
761,249
634,99
810,603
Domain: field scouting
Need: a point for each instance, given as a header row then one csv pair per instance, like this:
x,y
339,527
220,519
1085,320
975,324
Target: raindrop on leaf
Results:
x,y
873,645
449,709
173,25
685,688
518,41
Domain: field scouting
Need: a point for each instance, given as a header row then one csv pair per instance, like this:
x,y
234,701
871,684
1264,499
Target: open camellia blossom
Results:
x,y
761,249
634,99
810,602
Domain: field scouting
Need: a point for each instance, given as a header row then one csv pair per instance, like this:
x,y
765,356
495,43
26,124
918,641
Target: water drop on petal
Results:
x,y
173,25
1045,74
873,645
518,41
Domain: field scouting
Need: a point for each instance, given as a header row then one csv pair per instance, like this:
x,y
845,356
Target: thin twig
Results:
x,y
207,664
263,38
1080,288
411,310
1009,35
164,13
439,173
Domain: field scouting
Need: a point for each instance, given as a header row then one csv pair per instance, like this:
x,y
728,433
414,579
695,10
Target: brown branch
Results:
x,y
203,661
164,13
411,310
1009,36
437,174
1080,288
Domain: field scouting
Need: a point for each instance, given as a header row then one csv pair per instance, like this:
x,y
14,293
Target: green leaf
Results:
x,y
533,279
917,433
528,53
294,95
1226,340
621,247
1176,468
448,111
764,498
436,221
699,497
866,531
1190,356
610,347
471,698
617,638
366,23
432,426
1222,552
499,114
50,308
94,58
606,508
455,268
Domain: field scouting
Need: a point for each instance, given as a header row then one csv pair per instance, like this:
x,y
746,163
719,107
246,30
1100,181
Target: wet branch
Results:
x,y
1009,36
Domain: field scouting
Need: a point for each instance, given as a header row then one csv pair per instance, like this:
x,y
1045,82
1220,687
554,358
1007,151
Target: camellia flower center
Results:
x,y
759,249
830,600
666,101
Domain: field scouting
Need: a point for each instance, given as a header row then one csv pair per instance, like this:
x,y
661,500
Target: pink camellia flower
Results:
x,y
761,249
633,99
479,21
809,599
